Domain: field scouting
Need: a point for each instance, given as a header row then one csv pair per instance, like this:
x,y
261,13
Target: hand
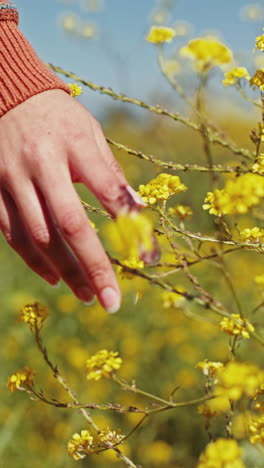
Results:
x,y
47,143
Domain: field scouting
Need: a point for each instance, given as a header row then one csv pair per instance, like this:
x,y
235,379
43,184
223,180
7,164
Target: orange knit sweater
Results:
x,y
22,73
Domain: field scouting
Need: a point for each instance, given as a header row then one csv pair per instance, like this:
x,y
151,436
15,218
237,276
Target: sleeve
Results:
x,y
22,73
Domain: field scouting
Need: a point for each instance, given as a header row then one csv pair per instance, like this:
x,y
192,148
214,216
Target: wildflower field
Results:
x,y
175,379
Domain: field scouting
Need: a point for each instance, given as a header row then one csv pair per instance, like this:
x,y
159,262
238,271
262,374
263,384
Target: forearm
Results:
x,y
22,73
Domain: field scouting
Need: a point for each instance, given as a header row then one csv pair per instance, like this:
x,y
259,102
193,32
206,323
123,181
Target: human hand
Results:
x,y
47,143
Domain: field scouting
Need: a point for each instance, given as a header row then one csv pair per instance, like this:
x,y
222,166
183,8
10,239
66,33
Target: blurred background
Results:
x,y
103,41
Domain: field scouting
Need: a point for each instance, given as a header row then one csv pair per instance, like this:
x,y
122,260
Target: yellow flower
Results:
x,y
182,211
237,379
20,379
160,34
207,52
237,197
256,429
258,79
134,234
80,445
110,437
222,453
260,42
34,314
76,90
259,165
102,364
209,368
133,263
235,75
259,280
254,235
234,328
172,299
161,188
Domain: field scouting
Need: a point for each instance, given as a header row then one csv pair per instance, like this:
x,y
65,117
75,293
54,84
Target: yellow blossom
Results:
x,y
160,34
254,235
20,379
259,280
207,52
76,90
80,445
237,196
134,234
102,364
258,79
239,326
34,314
133,263
172,299
109,437
260,42
222,453
182,211
256,429
235,75
237,379
172,67
209,368
161,188
259,165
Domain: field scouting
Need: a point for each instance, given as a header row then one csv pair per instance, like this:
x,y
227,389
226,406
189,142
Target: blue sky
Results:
x,y
119,57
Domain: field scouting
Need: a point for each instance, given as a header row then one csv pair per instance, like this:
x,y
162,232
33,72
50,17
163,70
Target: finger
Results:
x,y
74,226
17,237
109,187
47,239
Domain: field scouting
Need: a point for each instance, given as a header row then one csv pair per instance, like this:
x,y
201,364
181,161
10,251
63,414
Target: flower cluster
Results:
x,y
160,34
76,90
102,364
172,299
256,429
254,235
222,453
239,378
233,77
207,52
259,164
209,368
134,235
258,79
237,197
161,188
34,314
260,42
182,211
85,444
237,327
21,379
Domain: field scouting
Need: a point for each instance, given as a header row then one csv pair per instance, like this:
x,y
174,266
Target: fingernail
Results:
x,y
85,294
110,300
90,303
135,196
52,280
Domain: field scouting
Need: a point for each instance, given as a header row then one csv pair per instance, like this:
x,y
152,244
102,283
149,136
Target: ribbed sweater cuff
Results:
x,y
22,73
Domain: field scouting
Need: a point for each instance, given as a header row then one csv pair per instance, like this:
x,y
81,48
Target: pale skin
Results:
x,y
47,143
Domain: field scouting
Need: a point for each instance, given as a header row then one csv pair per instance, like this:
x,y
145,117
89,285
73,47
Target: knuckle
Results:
x,y
115,167
72,223
111,192
40,234
98,271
